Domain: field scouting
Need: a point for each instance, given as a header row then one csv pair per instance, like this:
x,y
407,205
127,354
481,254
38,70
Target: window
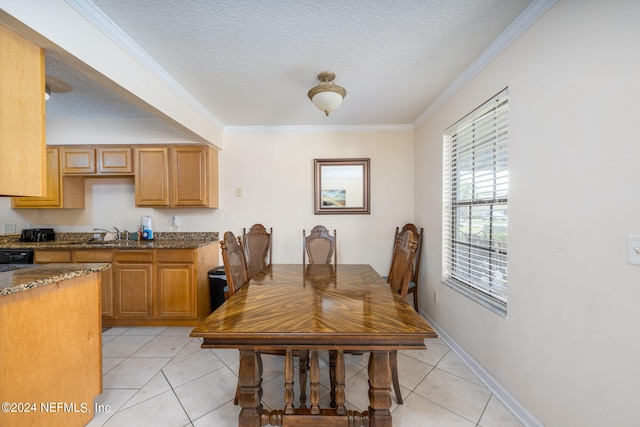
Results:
x,y
475,196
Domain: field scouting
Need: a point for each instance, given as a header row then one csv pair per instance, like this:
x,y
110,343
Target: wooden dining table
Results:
x,y
309,308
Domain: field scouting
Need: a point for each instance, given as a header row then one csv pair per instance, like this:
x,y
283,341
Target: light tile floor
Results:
x,y
160,377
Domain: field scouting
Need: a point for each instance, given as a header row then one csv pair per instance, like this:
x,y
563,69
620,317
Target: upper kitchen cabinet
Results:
x,y
115,160
22,117
176,176
78,160
62,191
90,161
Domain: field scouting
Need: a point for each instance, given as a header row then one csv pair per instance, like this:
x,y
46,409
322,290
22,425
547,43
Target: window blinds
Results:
x,y
475,203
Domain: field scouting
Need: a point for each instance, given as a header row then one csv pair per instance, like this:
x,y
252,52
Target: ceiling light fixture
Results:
x,y
47,93
327,96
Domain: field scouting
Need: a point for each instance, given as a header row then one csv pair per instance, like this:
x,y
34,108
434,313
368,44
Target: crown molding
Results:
x,y
101,21
94,15
523,21
317,129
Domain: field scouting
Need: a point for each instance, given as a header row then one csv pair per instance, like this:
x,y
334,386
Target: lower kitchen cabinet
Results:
x,y
176,295
148,287
106,276
161,287
133,284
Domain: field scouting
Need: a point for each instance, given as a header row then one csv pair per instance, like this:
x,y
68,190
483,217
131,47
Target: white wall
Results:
x,y
568,349
275,171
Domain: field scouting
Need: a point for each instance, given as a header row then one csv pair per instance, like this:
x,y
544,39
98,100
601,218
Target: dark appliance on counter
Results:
x,y
12,259
37,235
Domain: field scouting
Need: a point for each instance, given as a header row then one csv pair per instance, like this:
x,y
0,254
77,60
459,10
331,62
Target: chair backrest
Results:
x,y
235,265
319,246
416,265
257,248
402,262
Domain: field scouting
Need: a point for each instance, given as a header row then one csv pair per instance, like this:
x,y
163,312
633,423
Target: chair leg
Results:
x,y
332,376
303,368
393,361
415,299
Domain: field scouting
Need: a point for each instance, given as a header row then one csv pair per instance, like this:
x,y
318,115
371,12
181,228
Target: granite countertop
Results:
x,y
84,241
23,279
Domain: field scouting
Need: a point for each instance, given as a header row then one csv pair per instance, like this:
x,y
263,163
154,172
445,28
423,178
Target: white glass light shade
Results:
x,y
327,101
327,96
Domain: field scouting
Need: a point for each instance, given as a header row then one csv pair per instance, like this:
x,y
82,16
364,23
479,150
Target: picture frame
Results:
x,y
341,186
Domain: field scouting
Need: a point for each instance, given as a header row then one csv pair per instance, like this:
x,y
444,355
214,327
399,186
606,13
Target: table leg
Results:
x,y
314,383
339,383
250,381
288,383
379,389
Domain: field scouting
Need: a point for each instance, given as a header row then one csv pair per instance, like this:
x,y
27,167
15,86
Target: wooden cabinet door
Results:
x,y
189,180
133,283
194,176
132,290
106,276
23,169
62,191
52,199
175,284
115,160
152,176
78,160
175,292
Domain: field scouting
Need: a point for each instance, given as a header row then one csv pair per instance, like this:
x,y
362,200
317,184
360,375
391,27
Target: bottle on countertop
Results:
x,y
147,228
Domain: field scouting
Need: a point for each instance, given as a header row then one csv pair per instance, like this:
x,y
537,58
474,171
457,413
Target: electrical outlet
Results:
x,y
633,249
175,222
8,229
435,297
239,192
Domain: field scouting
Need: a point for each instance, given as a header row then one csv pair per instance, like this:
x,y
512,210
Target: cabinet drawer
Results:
x,y
49,256
145,255
93,255
175,255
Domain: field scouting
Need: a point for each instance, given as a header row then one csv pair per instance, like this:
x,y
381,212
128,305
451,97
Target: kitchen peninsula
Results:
x,y
50,346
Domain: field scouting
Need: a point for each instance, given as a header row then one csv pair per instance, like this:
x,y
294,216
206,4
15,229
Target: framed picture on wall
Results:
x,y
341,186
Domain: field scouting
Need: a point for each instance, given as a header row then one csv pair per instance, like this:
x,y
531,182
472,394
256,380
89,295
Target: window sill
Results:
x,y
496,306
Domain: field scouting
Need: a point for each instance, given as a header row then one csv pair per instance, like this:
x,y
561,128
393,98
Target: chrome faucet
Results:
x,y
118,234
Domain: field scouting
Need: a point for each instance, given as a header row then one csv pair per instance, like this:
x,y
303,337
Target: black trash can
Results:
x,y
217,283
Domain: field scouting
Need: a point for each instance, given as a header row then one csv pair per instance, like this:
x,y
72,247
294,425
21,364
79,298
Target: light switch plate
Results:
x,y
633,249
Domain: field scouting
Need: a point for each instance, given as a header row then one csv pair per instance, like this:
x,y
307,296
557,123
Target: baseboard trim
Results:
x,y
515,407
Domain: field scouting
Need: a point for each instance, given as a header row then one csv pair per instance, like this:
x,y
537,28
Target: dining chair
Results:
x,y
399,276
237,273
319,246
235,264
415,275
257,248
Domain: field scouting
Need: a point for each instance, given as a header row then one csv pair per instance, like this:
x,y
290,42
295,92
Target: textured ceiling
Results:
x,y
251,62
